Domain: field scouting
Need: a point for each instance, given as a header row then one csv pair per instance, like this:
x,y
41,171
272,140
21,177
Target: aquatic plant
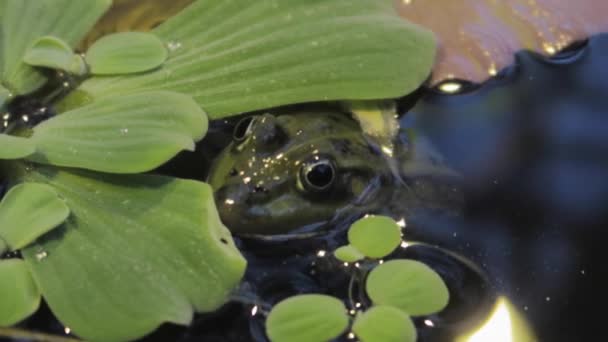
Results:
x,y
116,253
397,289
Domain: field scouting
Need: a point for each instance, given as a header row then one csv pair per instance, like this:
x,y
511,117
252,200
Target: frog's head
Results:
x,y
290,171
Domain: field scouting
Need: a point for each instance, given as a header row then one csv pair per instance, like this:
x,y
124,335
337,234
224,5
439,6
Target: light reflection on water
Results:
x,y
532,149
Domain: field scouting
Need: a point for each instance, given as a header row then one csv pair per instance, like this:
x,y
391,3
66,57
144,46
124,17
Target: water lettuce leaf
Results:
x,y
12,147
237,56
28,211
137,251
19,296
125,53
122,134
24,21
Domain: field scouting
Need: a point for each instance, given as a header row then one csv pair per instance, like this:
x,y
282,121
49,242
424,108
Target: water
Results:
x,y
531,145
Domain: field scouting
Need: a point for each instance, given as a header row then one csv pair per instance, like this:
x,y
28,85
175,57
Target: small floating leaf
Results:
x,y
126,53
375,236
123,134
407,285
28,211
24,21
19,295
12,147
384,324
52,52
348,254
307,318
137,251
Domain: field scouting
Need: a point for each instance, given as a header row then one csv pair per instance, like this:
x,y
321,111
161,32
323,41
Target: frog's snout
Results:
x,y
235,204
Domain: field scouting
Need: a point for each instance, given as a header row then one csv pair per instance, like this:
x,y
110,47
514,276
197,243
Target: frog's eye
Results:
x,y
243,129
318,176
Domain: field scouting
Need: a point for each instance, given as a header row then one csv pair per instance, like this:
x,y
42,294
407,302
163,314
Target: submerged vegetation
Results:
x,y
114,252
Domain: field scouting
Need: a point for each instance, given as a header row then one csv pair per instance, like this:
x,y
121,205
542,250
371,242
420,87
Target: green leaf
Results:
x,y
375,236
19,296
28,211
407,285
384,324
24,21
5,94
12,147
348,254
126,53
122,134
52,52
307,318
137,251
242,55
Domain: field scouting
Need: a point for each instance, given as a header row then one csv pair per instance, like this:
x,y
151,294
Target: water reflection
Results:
x,y
532,150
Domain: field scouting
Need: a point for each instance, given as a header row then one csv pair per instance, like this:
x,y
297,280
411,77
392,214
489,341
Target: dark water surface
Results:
x,y
532,146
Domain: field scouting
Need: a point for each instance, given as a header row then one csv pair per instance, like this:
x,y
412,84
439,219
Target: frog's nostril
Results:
x,y
233,172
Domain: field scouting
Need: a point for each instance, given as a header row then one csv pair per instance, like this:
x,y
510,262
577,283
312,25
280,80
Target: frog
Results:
x,y
302,171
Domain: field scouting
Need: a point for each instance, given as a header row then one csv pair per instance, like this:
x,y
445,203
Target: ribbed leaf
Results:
x,y
241,55
19,295
126,53
28,211
137,251
122,134
307,318
52,52
15,147
24,21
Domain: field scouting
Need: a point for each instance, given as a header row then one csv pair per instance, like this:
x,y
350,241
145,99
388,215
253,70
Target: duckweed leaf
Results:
x,y
12,147
52,52
126,53
24,21
375,236
307,318
348,254
237,56
137,251
122,134
407,285
19,295
384,324
28,211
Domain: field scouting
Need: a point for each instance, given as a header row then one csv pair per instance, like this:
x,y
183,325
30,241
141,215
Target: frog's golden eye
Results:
x,y
243,129
318,176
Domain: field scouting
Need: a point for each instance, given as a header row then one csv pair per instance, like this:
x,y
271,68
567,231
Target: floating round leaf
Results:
x,y
12,147
384,324
123,134
137,251
19,296
126,53
28,211
408,285
307,318
375,236
348,254
52,52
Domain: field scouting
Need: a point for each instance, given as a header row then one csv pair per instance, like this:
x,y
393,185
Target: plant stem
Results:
x,y
19,334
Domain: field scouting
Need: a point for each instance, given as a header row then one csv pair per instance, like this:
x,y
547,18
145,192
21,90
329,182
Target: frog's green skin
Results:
x,y
258,185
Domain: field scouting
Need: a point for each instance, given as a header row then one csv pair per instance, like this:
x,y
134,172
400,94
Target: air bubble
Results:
x,y
454,87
